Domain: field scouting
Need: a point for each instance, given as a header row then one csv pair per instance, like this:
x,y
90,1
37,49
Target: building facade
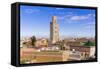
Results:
x,y
86,51
41,43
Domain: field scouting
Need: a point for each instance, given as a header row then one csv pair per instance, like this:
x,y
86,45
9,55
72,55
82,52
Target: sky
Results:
x,y
35,20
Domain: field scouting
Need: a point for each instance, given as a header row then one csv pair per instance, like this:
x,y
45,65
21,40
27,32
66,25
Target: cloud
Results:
x,y
65,16
90,25
78,17
81,17
73,18
29,11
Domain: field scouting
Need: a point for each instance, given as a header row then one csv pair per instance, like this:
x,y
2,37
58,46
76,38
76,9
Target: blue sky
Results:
x,y
35,20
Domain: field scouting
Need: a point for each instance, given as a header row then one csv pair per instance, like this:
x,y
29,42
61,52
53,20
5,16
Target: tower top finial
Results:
x,y
54,18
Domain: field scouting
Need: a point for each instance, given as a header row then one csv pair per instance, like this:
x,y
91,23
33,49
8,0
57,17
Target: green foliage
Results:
x,y
89,43
23,61
82,43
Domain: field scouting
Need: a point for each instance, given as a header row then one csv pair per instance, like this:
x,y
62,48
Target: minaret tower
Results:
x,y
54,30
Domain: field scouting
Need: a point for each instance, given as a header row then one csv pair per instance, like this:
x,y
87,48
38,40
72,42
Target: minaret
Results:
x,y
54,30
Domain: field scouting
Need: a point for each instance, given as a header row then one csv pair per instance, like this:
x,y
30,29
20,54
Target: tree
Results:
x,y
33,39
89,43
61,45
